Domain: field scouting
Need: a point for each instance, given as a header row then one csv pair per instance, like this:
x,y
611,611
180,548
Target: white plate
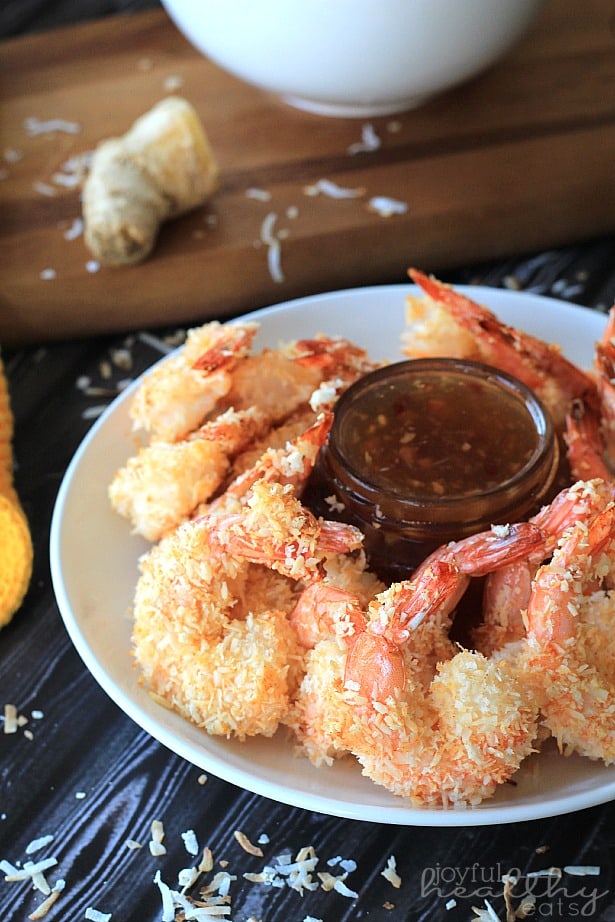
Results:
x,y
94,569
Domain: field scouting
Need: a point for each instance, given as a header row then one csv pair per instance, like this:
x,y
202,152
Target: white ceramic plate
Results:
x,y
94,569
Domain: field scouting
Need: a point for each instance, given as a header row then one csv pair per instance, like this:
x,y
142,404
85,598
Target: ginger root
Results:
x,y
162,167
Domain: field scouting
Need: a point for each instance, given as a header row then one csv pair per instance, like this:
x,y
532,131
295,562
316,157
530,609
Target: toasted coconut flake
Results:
x,y
10,718
34,872
48,902
247,846
390,872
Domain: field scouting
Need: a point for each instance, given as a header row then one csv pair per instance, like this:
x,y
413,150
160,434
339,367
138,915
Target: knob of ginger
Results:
x,y
162,167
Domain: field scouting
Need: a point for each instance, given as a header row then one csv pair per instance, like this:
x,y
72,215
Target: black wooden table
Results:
x,y
80,771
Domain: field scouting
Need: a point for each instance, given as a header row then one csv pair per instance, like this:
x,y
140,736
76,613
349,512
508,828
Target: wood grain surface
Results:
x,y
519,158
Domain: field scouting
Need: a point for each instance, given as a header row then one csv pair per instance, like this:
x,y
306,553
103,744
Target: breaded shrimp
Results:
x,y
211,634
165,483
179,393
570,656
540,365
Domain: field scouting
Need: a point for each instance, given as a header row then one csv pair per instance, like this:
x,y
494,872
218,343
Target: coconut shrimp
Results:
x,y
507,589
429,723
457,726
211,634
180,391
570,655
166,483
590,425
540,365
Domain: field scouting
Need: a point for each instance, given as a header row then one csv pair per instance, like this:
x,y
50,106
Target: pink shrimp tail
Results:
x,y
375,667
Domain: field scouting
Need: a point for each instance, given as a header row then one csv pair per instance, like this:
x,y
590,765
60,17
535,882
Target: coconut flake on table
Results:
x,y
95,915
259,195
36,844
13,720
48,902
190,842
390,872
582,870
332,190
12,155
274,249
34,871
74,230
247,846
488,914
369,141
386,207
43,188
155,845
47,274
211,907
173,83
36,126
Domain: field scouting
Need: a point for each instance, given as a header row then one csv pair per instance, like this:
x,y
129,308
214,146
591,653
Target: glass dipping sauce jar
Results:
x,y
427,451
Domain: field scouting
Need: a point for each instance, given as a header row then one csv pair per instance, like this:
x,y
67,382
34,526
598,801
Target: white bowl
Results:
x,y
353,57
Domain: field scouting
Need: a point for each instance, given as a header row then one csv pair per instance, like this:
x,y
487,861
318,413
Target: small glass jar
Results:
x,y
427,451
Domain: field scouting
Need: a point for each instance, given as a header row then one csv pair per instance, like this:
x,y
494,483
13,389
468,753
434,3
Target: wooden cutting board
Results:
x,y
518,159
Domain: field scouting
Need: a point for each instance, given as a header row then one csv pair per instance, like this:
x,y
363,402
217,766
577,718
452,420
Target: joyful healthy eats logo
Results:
x,y
549,893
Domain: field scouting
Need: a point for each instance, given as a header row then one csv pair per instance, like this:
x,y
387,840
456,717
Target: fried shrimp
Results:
x,y
507,590
570,656
165,483
211,633
212,409
439,727
181,390
476,333
429,723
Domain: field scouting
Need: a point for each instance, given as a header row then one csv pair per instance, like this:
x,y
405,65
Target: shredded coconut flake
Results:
x,y
75,230
94,915
35,126
47,275
369,141
259,195
155,846
274,249
247,846
48,902
390,873
36,844
190,842
43,188
386,207
10,718
582,870
332,190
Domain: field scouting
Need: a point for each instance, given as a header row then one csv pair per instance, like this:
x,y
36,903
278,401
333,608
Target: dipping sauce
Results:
x,y
427,451
437,433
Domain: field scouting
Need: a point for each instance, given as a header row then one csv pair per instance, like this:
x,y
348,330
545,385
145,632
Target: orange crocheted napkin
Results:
x,y
15,540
